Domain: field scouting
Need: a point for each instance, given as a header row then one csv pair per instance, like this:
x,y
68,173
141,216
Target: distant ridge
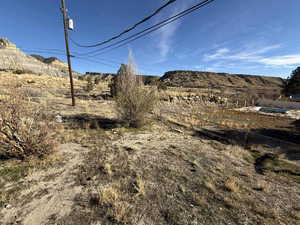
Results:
x,y
210,79
200,79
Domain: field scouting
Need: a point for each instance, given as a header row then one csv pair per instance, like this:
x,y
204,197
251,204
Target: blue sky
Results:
x,y
233,36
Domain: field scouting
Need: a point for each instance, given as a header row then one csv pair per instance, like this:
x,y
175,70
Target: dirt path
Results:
x,y
49,194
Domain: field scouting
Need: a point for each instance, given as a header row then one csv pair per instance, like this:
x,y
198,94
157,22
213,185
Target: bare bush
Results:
x,y
161,86
25,131
33,92
90,84
133,99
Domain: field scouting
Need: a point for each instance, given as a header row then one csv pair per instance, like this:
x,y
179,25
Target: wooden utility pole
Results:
x,y
66,21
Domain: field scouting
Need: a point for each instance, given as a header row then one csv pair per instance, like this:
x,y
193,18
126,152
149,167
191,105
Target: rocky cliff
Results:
x,y
14,60
209,79
56,63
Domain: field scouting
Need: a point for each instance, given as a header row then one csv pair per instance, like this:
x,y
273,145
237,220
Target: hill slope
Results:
x,y
14,60
210,79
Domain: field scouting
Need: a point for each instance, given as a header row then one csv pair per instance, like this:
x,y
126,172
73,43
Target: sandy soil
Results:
x,y
48,192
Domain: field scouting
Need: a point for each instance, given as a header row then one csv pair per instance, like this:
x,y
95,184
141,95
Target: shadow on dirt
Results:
x,y
84,95
297,124
88,121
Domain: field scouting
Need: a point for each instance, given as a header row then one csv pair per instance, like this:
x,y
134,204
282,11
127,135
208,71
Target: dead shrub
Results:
x,y
25,130
133,99
90,84
33,93
97,80
161,86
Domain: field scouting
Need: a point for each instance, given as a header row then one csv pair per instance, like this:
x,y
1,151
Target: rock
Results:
x,y
8,206
58,119
30,81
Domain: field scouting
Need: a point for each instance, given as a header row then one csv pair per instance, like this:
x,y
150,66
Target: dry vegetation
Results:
x,y
25,130
191,164
133,99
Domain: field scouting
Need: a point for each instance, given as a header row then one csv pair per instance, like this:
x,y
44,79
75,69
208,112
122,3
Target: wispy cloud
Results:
x,y
249,55
165,37
254,56
168,32
285,60
219,53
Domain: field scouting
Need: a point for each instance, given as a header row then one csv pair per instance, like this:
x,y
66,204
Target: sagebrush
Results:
x,y
25,130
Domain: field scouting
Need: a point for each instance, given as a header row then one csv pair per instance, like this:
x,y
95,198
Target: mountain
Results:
x,y
14,60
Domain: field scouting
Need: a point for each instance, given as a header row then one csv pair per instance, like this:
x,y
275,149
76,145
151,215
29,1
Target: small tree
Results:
x,y
292,85
133,99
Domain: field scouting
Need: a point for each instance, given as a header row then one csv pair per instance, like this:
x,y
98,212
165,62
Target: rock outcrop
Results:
x,y
14,60
56,63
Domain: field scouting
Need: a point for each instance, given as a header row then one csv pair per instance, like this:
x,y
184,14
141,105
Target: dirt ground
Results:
x,y
189,165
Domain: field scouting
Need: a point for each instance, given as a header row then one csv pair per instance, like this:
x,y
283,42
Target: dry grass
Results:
x,y
167,183
109,195
231,185
203,116
210,186
159,175
262,186
25,80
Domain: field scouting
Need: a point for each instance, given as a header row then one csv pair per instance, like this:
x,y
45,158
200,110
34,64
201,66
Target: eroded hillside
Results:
x,y
12,59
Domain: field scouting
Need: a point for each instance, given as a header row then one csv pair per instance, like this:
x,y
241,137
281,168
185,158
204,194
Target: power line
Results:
x,y
73,56
97,61
44,49
81,58
46,52
36,51
127,30
150,29
104,61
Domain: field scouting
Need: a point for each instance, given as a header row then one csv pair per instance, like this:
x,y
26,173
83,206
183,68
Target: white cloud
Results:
x,y
255,56
285,60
